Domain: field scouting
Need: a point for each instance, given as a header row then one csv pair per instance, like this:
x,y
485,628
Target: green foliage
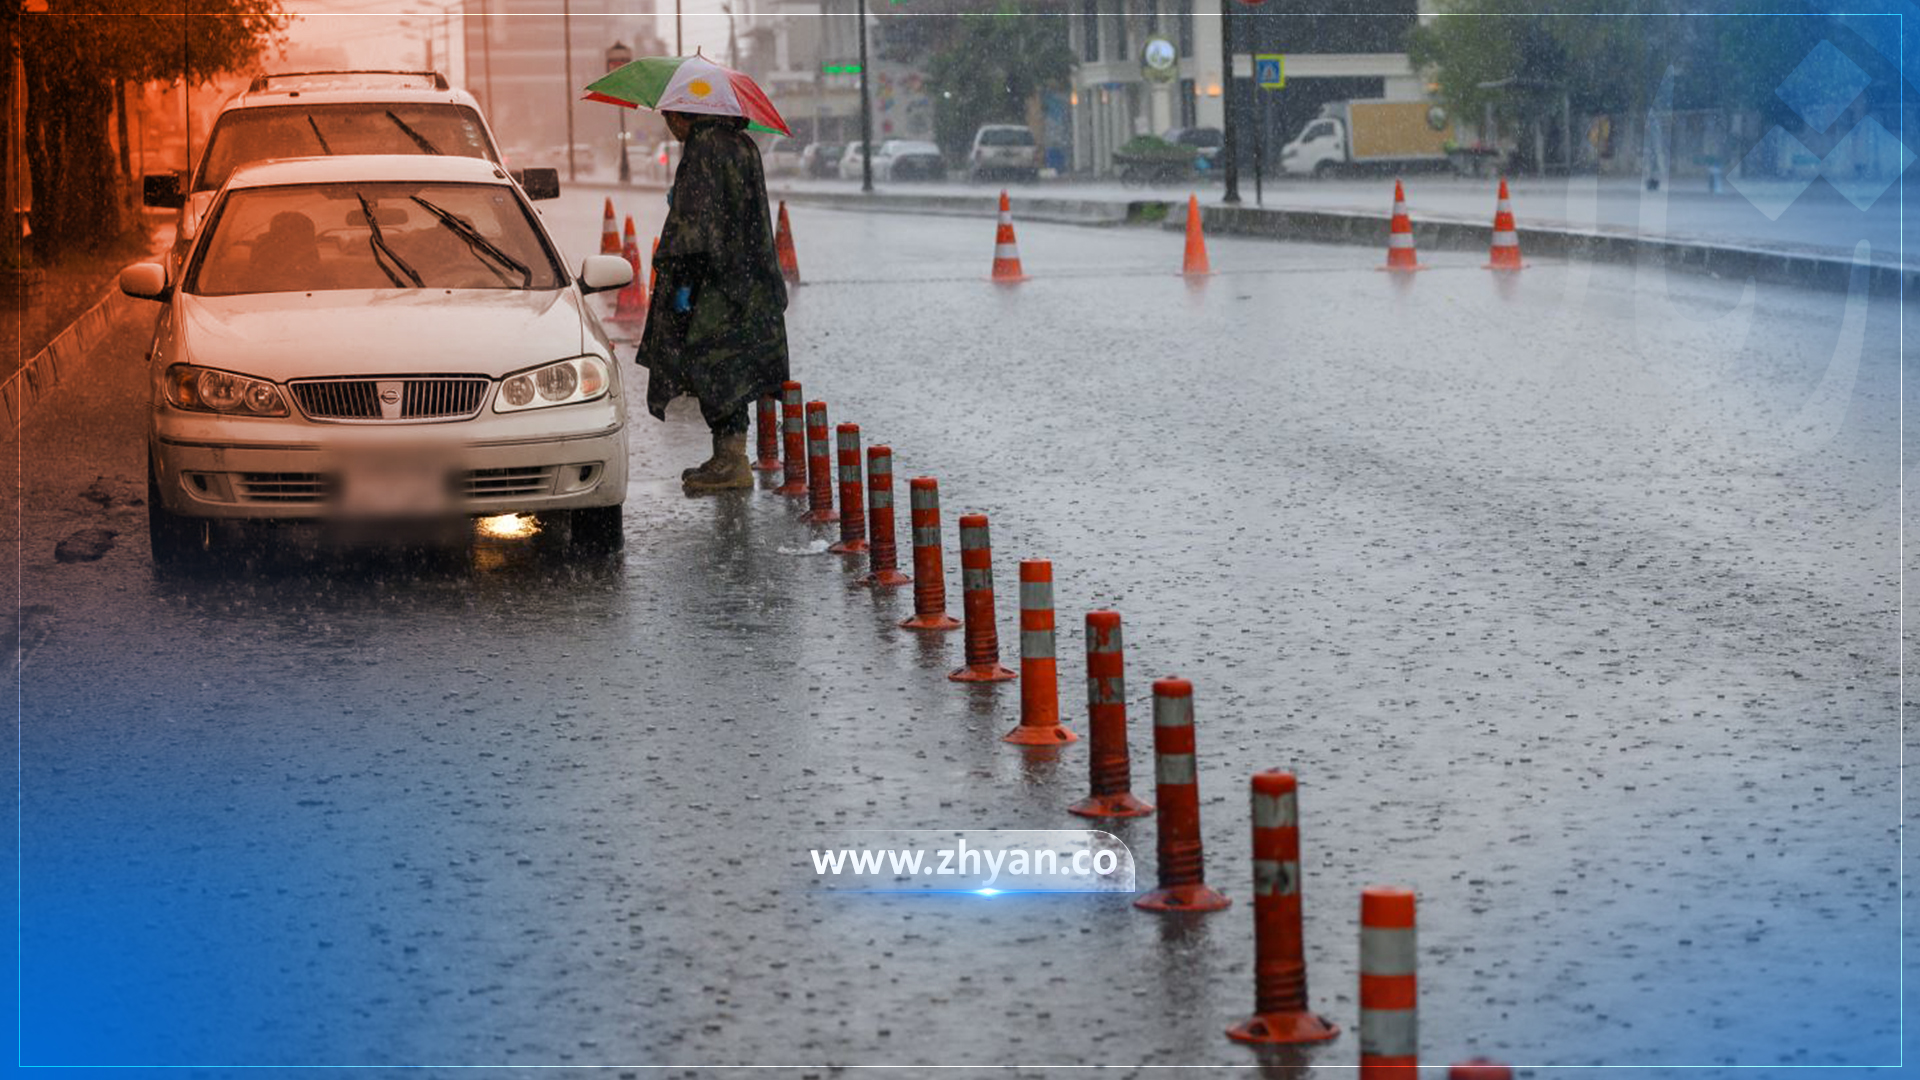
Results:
x,y
1155,147
994,64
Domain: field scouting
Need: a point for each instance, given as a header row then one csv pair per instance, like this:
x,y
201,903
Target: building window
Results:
x,y
1090,23
1188,118
1184,24
1119,35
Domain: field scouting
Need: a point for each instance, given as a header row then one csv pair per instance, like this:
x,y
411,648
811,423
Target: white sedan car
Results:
x,y
380,338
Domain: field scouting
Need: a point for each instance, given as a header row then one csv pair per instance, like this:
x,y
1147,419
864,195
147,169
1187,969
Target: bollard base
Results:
x,y
1504,266
791,488
1054,734
982,673
769,464
1101,806
848,547
942,621
1408,269
1286,1027
1195,897
820,517
883,579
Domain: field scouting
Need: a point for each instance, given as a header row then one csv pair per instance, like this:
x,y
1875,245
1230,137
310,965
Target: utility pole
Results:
x,y
1230,145
866,110
679,46
566,47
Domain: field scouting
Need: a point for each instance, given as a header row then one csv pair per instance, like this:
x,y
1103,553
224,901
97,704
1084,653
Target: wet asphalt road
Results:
x,y
1573,600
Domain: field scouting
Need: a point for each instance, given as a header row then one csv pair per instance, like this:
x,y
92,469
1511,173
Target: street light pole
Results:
x,y
1230,143
566,48
679,46
618,56
866,110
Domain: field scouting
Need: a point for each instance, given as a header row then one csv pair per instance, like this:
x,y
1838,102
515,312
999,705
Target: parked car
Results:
x,y
781,157
1205,141
335,113
906,159
377,338
1004,150
821,159
850,161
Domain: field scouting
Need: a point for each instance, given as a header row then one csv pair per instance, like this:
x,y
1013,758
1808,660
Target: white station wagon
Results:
x,y
377,338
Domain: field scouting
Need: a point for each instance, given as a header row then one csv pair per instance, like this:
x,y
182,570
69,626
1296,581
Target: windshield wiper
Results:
x,y
317,135
480,245
378,243
419,140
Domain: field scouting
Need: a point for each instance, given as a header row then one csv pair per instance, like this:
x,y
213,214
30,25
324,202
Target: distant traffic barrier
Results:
x,y
819,468
1504,253
853,511
1109,772
1280,1010
793,430
1039,673
1389,1023
929,570
1183,885
1006,252
609,231
976,605
783,248
1400,253
883,570
767,428
1195,263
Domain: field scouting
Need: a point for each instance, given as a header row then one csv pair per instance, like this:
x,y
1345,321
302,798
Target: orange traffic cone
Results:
x,y
609,232
1195,264
653,280
1006,254
783,247
631,304
1505,253
1400,254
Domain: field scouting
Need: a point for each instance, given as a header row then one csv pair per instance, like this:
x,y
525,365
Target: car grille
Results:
x,y
493,483
419,398
289,487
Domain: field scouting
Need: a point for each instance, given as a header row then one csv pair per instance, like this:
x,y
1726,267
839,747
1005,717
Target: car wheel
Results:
x,y
599,530
1323,170
178,543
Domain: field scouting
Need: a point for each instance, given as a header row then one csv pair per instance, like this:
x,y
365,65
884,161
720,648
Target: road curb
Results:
x,y
45,371
1807,269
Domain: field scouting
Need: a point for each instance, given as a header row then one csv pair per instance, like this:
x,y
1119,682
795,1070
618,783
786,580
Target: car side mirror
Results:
x,y
538,183
145,281
162,190
598,273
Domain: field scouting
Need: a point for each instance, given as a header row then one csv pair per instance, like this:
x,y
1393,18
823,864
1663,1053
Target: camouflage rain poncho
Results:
x,y
718,239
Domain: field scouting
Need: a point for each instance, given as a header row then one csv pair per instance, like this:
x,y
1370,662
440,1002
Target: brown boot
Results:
x,y
711,465
734,471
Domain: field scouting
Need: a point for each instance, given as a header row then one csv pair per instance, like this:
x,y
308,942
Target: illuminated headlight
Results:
x,y
207,390
582,378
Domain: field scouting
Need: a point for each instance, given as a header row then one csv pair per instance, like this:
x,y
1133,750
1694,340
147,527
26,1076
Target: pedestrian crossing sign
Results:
x,y
1270,71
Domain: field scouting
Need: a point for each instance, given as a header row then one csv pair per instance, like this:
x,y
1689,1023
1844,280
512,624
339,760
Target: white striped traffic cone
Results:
x,y
1400,253
1006,254
1505,253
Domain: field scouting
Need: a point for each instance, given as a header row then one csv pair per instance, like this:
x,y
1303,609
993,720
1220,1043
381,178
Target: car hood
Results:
x,y
284,336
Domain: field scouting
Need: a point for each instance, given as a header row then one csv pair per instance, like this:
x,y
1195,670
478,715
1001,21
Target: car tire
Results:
x,y
599,530
1324,170
178,543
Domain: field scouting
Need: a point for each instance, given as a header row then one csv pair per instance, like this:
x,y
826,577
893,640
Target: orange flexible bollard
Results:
x,y
819,468
1389,955
793,431
1039,674
853,513
1183,885
929,570
767,427
1110,773
976,603
1280,1010
883,568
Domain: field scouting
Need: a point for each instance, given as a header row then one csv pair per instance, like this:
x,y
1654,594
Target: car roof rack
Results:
x,y
433,79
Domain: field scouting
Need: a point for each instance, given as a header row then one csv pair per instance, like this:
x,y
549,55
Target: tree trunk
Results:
x,y
74,197
128,183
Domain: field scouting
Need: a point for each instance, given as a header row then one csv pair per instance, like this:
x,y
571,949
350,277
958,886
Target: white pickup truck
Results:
x,y
1352,136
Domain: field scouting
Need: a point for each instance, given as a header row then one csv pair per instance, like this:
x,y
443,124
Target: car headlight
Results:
x,y
208,390
565,382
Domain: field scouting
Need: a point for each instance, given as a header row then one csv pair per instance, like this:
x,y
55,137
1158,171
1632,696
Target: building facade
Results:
x,y
517,64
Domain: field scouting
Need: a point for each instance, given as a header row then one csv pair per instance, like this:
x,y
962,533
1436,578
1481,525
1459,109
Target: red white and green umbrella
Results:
x,y
690,84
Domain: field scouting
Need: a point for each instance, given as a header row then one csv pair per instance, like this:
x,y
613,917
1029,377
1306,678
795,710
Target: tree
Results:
x,y
995,63
74,60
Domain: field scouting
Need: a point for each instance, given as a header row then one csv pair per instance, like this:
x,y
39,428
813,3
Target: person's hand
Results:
x,y
683,298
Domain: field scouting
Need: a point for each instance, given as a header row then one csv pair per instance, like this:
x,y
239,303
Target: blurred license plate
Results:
x,y
395,485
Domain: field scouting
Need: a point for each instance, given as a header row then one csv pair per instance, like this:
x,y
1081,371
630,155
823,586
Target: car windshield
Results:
x,y
371,235
1201,137
244,136
915,148
1006,137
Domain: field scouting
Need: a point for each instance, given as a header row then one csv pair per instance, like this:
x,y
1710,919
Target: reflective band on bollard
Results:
x,y
767,426
853,511
929,571
1280,1010
1110,773
1039,674
1389,953
882,554
819,468
793,430
1183,885
1479,1069
976,603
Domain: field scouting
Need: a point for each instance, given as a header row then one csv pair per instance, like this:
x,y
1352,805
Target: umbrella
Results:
x,y
691,84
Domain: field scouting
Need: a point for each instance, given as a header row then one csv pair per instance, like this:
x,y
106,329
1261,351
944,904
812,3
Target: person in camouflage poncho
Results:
x,y
716,327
